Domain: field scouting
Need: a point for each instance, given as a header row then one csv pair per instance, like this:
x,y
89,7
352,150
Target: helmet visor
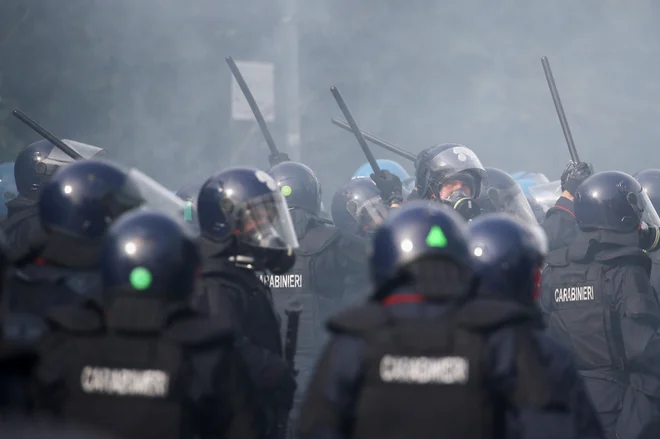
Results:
x,y
456,159
265,223
153,194
512,201
367,213
59,157
546,194
644,208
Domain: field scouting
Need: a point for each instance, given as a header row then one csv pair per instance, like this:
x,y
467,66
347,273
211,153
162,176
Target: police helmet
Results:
x,y
502,193
150,254
615,201
448,162
418,230
81,201
37,162
507,255
245,205
299,185
650,181
357,206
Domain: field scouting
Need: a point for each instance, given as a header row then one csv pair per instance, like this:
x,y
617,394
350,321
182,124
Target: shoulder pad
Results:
x,y
86,317
196,330
484,314
317,240
358,320
558,258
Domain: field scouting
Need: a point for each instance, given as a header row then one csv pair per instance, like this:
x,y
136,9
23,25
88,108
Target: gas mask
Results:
x,y
463,204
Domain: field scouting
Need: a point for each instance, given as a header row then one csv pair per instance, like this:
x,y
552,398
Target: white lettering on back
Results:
x,y
282,280
574,294
424,370
151,383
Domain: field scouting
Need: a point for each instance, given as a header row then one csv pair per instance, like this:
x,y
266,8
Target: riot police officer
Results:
x,y
357,209
75,209
325,260
246,229
599,303
33,168
501,193
507,256
406,363
559,222
146,365
449,173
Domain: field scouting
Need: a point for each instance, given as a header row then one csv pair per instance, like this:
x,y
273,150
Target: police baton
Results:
x,y
292,311
253,105
43,132
560,109
377,141
356,130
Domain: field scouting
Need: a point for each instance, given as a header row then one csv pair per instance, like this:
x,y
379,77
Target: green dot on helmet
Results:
x,y
286,190
140,278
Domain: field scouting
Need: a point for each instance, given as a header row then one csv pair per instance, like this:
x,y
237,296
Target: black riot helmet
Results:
x,y
150,254
449,162
502,193
244,206
299,185
615,201
37,162
418,240
81,201
357,206
650,181
507,255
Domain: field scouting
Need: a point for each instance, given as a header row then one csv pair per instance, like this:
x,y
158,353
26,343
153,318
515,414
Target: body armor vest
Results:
x,y
133,384
580,314
428,375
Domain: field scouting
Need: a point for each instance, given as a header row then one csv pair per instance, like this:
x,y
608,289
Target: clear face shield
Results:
x,y
264,222
642,205
368,214
511,201
58,157
546,194
153,194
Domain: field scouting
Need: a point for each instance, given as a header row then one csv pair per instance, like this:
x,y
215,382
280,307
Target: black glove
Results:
x,y
574,174
390,186
649,238
277,158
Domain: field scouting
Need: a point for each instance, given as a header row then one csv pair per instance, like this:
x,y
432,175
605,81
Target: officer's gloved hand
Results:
x,y
574,174
390,186
649,238
277,158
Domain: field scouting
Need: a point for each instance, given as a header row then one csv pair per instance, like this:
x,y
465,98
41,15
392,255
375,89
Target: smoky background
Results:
x,y
147,80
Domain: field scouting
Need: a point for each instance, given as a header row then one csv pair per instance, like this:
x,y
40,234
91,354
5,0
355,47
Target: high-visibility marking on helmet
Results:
x,y
436,237
140,278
